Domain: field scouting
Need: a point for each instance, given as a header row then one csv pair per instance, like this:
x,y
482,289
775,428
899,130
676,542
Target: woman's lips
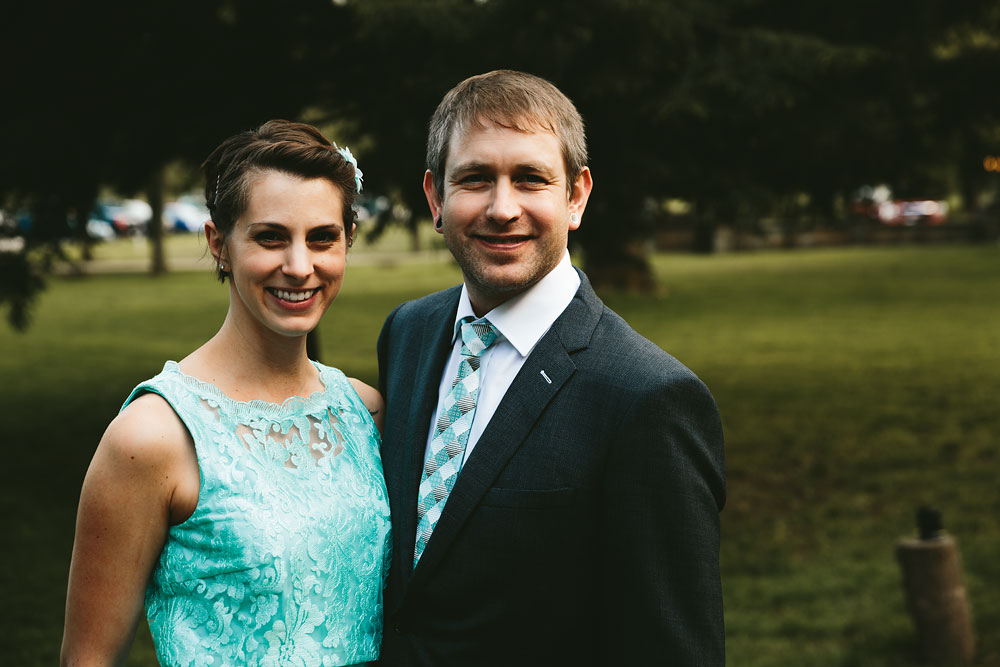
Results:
x,y
293,299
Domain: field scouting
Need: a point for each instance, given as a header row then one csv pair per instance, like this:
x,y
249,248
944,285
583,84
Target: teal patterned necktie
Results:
x,y
451,434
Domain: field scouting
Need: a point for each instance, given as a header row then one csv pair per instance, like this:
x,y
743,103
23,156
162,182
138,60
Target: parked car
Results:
x,y
187,214
878,204
101,230
128,217
910,212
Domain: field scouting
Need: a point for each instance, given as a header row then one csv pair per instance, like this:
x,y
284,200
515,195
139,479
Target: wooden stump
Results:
x,y
936,598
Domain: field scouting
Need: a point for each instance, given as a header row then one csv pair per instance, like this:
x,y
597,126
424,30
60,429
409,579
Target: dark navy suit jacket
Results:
x,y
584,526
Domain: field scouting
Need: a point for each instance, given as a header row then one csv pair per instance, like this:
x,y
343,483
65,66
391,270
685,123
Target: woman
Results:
x,y
239,493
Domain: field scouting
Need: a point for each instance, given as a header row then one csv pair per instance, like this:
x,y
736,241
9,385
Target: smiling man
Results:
x,y
555,478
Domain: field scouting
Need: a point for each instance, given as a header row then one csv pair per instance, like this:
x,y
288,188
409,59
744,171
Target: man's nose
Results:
x,y
504,205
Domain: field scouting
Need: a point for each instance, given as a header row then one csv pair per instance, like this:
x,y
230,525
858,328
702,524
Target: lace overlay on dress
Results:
x,y
284,558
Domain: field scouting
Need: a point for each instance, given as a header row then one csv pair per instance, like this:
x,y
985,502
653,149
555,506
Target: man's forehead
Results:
x,y
466,149
523,124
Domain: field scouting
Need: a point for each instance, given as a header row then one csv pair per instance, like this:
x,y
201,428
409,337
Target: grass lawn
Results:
x,y
855,385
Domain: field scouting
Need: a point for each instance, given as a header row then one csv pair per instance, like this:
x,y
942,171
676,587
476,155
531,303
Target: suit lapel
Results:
x,y
525,401
433,349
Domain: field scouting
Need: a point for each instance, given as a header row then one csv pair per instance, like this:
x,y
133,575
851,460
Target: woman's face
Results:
x,y
286,253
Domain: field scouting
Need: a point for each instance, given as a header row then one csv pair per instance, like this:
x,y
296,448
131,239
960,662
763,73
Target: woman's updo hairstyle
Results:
x,y
277,145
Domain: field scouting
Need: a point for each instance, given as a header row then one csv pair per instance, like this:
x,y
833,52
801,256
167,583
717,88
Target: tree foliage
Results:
x,y
735,105
107,93
738,106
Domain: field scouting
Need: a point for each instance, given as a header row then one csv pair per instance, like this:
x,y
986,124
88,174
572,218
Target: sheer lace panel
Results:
x,y
283,560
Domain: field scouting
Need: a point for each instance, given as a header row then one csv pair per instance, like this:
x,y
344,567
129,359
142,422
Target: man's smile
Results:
x,y
504,241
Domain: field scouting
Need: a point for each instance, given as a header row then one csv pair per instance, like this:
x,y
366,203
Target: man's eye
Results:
x,y
534,179
473,178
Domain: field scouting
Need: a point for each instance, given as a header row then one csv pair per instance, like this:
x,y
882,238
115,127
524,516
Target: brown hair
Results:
x,y
277,145
509,99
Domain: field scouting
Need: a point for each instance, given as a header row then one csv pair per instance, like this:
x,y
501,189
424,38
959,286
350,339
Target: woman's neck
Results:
x,y
249,362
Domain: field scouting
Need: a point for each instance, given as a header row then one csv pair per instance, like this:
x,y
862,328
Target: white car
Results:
x,y
184,215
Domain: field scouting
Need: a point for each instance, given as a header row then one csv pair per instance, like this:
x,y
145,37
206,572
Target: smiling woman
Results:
x,y
285,256
231,479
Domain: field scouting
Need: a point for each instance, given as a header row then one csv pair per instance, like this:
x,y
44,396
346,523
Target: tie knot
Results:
x,y
478,336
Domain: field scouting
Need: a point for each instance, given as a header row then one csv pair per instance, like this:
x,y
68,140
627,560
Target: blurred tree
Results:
x,y
107,93
742,107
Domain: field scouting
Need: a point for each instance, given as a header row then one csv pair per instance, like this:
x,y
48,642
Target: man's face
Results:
x,y
505,210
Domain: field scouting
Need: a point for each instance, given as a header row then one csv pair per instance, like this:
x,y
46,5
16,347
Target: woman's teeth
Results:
x,y
285,295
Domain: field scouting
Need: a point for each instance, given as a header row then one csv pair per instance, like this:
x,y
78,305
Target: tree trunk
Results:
x,y
83,207
154,193
312,345
614,250
705,224
414,228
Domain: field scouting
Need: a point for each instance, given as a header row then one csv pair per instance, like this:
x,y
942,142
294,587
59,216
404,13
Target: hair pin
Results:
x,y
346,154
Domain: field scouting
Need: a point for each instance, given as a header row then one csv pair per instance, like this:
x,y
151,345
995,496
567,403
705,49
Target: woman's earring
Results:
x,y
437,222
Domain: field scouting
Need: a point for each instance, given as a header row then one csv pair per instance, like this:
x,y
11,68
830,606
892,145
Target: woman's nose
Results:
x,y
298,261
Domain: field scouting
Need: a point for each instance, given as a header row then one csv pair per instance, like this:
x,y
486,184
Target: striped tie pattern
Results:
x,y
451,433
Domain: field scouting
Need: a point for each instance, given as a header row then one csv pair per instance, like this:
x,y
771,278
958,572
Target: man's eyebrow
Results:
x,y
483,166
531,166
471,166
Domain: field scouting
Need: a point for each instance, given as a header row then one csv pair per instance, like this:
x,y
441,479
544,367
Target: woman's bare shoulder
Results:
x,y
147,427
372,399
147,449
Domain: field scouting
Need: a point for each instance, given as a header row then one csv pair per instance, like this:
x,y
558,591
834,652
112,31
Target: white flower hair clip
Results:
x,y
346,154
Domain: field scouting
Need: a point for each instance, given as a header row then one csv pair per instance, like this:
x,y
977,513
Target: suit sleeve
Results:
x,y
665,486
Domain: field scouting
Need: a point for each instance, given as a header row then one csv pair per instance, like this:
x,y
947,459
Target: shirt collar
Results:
x,y
523,320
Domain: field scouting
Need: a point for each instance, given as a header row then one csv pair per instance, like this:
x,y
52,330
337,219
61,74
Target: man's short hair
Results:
x,y
512,100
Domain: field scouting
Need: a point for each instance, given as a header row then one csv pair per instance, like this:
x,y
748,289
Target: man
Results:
x,y
555,479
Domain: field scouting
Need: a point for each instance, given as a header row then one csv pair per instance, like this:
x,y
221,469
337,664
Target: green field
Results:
x,y
854,384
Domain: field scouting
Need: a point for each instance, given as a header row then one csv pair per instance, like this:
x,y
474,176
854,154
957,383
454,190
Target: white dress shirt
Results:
x,y
521,321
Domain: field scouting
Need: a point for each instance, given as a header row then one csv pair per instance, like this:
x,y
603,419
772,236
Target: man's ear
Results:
x,y
582,186
433,200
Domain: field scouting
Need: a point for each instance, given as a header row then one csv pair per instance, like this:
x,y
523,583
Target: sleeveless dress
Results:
x,y
282,562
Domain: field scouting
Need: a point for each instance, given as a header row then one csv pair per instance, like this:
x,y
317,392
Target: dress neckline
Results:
x,y
292,405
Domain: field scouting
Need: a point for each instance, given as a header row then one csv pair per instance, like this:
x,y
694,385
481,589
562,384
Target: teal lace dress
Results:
x,y
283,560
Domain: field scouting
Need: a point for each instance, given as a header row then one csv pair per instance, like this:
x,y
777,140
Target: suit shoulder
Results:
x,y
419,308
631,350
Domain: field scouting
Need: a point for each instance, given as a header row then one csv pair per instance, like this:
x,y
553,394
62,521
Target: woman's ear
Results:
x,y
216,244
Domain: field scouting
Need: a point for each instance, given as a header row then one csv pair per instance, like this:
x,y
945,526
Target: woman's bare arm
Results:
x,y
138,484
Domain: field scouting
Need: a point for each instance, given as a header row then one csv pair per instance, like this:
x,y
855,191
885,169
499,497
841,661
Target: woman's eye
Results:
x,y
268,238
324,237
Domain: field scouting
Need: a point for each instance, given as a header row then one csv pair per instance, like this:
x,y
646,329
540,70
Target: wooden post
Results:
x,y
935,593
